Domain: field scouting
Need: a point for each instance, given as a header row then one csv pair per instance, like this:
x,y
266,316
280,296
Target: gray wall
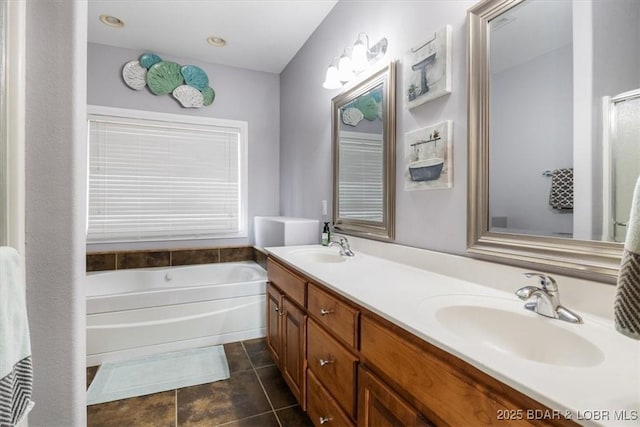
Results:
x,y
55,207
241,94
531,131
429,219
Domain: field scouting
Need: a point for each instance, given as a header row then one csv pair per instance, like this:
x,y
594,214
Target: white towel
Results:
x,y
16,374
627,303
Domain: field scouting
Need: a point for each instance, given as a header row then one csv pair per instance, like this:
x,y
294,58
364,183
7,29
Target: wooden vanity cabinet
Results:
x,y
333,315
286,327
334,366
332,339
380,406
322,408
447,390
274,324
347,365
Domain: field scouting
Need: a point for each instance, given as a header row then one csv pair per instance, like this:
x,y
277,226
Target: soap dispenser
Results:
x,y
326,234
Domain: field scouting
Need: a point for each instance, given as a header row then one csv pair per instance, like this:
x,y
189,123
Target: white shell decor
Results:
x,y
134,75
352,116
188,96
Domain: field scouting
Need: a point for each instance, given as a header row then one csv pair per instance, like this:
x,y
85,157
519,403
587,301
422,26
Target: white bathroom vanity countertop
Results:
x,y
604,390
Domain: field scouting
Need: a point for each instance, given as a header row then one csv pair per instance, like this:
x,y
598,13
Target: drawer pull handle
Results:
x,y
324,420
276,309
324,362
324,312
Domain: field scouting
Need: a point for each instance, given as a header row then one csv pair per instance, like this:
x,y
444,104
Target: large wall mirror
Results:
x,y
363,133
554,132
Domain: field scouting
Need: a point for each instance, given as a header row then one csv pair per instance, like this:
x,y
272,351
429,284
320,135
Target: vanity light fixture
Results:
x,y
362,54
216,41
111,21
348,66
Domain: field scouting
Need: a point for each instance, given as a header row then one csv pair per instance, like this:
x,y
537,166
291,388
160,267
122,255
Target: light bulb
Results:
x,y
345,69
332,81
359,56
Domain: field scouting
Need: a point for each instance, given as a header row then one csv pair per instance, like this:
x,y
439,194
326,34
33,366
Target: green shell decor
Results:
x,y
188,84
209,95
195,76
147,60
163,77
377,94
368,105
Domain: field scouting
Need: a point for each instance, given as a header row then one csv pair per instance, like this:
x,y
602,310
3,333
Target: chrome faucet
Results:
x,y
343,243
547,299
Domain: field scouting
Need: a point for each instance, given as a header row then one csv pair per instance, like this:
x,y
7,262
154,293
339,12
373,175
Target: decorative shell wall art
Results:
x,y
209,95
369,107
163,77
194,76
188,84
188,96
134,75
149,59
352,116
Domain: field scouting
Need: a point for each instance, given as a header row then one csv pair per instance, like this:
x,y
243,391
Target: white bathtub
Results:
x,y
136,312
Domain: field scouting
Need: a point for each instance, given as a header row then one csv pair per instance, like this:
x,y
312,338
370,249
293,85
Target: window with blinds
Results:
x,y
361,176
163,179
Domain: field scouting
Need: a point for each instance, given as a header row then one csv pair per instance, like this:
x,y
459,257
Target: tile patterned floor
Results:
x,y
255,396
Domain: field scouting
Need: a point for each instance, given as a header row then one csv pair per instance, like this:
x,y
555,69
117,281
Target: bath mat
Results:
x,y
158,372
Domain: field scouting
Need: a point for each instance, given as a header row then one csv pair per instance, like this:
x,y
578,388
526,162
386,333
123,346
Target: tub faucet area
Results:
x,y
547,299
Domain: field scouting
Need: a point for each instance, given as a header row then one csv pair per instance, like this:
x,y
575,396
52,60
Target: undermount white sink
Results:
x,y
505,326
320,255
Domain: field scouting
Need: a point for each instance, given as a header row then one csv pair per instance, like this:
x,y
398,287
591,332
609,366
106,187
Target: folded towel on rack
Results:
x,y
16,375
561,194
626,309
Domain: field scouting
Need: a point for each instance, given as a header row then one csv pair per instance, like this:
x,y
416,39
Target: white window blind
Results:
x,y
361,176
158,180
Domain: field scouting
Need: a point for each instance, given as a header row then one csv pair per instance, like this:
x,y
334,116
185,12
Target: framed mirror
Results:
x,y
554,134
363,138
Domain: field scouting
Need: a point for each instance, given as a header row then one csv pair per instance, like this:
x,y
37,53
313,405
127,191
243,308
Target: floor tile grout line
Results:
x,y
243,419
287,407
264,390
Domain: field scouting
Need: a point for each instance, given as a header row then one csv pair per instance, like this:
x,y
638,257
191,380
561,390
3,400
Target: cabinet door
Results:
x,y
379,406
274,329
293,356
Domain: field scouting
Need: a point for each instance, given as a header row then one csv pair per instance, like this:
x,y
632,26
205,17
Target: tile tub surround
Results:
x,y
255,395
118,260
396,289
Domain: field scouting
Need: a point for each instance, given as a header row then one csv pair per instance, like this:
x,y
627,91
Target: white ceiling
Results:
x,y
531,29
261,35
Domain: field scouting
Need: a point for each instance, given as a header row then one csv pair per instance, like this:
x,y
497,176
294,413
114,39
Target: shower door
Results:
x,y
3,135
12,112
624,152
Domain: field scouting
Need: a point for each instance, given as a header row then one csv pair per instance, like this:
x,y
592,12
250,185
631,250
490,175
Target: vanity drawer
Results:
x,y
321,408
333,365
337,316
290,284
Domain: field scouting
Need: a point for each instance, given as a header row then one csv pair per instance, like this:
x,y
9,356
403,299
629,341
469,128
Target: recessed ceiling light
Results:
x,y
216,41
111,21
